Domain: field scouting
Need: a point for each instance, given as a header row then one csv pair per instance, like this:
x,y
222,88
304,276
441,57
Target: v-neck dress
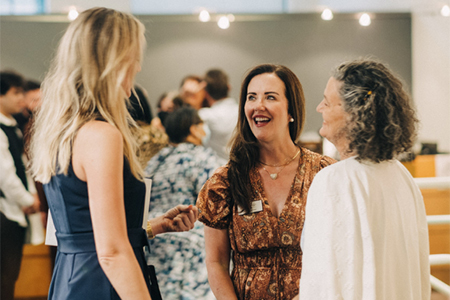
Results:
x,y
266,256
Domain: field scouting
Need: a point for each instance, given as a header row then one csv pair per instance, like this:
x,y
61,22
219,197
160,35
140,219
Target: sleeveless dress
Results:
x,y
77,273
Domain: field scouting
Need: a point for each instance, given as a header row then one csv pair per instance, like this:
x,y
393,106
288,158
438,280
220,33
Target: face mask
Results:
x,y
207,137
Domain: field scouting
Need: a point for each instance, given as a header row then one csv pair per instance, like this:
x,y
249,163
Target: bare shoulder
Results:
x,y
96,143
98,134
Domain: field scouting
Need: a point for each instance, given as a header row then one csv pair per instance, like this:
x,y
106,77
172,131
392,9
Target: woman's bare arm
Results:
x,y
218,250
98,159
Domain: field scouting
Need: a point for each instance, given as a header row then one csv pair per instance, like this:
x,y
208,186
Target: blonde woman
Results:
x,y
83,152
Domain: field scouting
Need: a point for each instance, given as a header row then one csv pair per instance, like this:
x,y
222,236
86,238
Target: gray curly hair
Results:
x,y
382,119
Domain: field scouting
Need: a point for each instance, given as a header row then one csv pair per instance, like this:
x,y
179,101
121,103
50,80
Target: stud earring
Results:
x,y
291,120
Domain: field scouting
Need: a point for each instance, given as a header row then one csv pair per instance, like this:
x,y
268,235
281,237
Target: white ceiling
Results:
x,y
250,6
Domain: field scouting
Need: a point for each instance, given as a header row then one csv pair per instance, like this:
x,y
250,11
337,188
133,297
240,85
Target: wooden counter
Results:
x,y
35,272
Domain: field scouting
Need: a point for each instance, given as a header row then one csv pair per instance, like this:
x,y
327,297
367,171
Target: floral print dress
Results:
x,y
178,174
266,252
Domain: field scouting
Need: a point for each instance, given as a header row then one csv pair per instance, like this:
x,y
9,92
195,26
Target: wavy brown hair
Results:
x,y
244,153
382,120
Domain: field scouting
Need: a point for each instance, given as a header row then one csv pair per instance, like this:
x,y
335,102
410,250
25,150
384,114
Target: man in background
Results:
x,y
192,91
222,114
15,198
32,100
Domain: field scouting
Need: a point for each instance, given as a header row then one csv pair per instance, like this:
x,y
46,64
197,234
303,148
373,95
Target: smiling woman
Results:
x,y
266,108
334,117
255,205
368,197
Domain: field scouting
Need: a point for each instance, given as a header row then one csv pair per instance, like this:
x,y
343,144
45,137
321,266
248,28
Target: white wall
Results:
x,y
431,73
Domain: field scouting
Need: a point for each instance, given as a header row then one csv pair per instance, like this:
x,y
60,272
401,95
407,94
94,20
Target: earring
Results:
x,y
291,120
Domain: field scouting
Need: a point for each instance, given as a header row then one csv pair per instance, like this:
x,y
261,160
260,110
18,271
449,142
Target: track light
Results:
x,y
445,11
204,16
327,14
73,13
223,22
364,20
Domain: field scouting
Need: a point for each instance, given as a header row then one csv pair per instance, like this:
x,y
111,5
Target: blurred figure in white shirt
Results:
x,y
221,117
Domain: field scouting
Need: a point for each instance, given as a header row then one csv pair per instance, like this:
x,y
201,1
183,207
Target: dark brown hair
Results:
x,y
244,152
178,123
10,79
216,84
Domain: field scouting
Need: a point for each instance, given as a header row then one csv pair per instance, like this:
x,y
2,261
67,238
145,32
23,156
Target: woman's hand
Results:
x,y
34,208
177,219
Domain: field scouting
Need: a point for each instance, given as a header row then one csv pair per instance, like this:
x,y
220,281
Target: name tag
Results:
x,y
256,207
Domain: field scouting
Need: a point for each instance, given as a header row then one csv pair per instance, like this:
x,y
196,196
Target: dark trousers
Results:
x,y
11,241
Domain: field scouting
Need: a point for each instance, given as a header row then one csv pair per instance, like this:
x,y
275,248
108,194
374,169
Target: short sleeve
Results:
x,y
214,201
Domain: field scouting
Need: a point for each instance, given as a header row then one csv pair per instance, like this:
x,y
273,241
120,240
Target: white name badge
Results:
x,y
256,207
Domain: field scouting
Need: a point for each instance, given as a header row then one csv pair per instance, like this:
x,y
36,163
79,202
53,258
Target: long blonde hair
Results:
x,y
84,84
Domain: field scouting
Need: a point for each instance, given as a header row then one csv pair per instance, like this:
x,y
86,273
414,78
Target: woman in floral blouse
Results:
x,y
255,205
179,172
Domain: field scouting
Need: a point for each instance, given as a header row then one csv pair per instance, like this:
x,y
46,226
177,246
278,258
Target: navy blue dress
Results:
x,y
77,273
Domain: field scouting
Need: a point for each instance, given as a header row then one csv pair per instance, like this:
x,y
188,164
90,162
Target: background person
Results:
x,y
32,100
167,103
17,195
192,91
366,233
139,107
255,204
178,173
82,150
222,114
150,139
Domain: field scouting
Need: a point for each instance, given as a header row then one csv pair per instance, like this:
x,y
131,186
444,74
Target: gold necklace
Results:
x,y
274,176
277,166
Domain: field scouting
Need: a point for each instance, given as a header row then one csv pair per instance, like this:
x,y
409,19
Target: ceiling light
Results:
x,y
445,11
364,20
223,22
73,13
204,16
327,14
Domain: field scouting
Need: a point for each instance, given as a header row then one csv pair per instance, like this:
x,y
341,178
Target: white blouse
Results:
x,y
365,234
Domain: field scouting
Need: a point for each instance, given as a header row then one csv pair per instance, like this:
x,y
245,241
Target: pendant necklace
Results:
x,y
274,176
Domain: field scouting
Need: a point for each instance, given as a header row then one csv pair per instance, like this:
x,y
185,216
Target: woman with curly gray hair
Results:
x,y
366,234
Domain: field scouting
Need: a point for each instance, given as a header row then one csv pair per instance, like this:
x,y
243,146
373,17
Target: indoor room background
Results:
x,y
410,36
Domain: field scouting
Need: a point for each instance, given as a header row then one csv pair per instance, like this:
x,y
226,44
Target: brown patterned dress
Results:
x,y
266,250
